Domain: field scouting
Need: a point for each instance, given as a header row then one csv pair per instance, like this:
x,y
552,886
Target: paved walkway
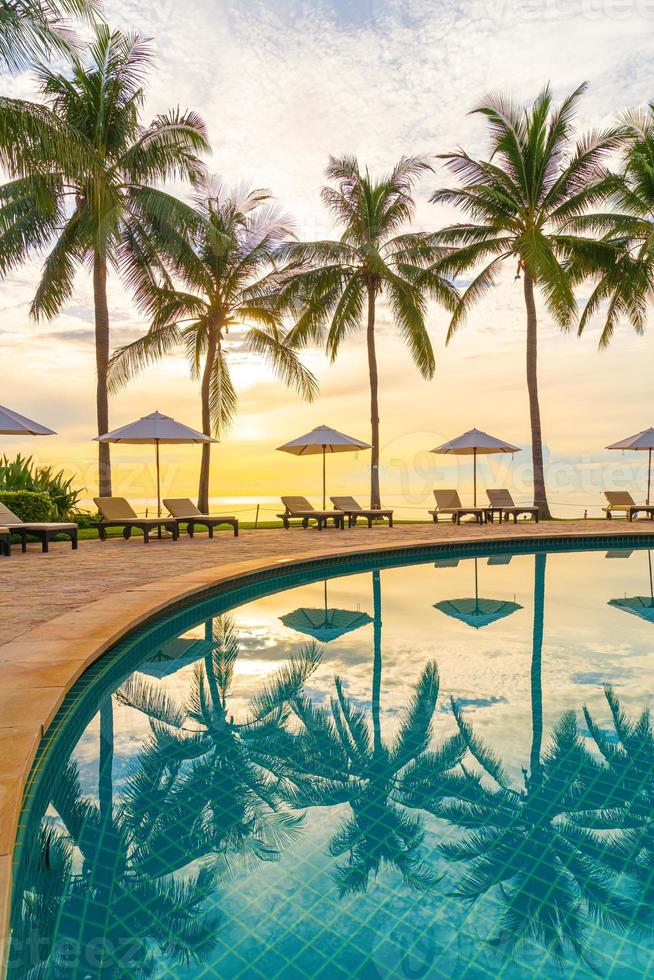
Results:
x,y
35,587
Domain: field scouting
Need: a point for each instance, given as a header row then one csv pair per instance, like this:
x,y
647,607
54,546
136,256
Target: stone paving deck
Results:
x,y
59,612
35,588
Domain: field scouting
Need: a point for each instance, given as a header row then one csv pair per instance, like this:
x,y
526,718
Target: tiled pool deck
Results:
x,y
59,612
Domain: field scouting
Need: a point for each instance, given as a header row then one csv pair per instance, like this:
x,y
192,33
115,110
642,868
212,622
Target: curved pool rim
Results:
x,y
114,625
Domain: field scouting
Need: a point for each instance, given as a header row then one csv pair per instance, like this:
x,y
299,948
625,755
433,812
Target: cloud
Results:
x,y
283,85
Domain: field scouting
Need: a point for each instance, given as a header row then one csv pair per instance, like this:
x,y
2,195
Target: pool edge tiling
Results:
x,y
40,667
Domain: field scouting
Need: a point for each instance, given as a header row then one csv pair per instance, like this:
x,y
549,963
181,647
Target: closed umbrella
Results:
x,y
474,443
156,430
641,442
13,424
477,612
321,441
325,624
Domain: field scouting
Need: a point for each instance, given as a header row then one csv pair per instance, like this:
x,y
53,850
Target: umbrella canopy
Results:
x,y
325,624
473,443
477,612
13,424
640,442
638,605
172,655
155,429
323,440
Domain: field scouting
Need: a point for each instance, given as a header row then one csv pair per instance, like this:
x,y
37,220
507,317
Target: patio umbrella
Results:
x,y
13,424
325,624
477,612
156,430
323,440
172,655
641,442
475,443
639,605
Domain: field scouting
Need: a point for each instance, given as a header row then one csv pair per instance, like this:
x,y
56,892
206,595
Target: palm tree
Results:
x,y
524,844
97,884
228,795
85,173
32,29
627,793
336,285
626,280
217,275
519,201
337,759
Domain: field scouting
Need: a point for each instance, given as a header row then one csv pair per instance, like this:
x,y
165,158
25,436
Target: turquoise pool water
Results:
x,y
440,769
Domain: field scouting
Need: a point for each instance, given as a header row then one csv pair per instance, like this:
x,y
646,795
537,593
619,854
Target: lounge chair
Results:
x,y
449,503
353,511
116,512
621,500
299,508
185,512
43,530
502,504
5,541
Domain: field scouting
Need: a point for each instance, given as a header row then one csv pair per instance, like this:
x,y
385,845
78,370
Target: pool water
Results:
x,y
443,769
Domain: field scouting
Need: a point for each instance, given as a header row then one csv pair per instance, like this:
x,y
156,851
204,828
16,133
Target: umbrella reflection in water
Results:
x,y
325,624
475,611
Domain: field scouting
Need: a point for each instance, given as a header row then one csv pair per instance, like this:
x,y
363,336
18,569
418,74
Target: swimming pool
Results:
x,y
438,768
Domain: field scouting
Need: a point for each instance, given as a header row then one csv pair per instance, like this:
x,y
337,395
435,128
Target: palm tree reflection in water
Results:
x,y
539,848
568,851
338,759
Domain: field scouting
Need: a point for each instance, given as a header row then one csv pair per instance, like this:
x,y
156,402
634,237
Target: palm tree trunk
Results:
x,y
377,662
535,773
540,494
105,774
375,500
102,369
207,374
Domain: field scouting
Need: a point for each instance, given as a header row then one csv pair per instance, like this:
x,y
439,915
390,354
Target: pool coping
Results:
x,y
47,661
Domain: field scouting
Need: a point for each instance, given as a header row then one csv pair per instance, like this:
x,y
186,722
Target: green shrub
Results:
x,y
27,505
23,474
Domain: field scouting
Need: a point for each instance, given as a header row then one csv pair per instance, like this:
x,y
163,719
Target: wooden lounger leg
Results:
x,y
146,535
45,543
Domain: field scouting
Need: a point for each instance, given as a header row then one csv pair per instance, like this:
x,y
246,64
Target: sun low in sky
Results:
x,y
281,86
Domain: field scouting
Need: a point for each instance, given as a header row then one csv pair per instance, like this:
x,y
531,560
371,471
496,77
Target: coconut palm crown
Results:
x,y
335,285
625,283
519,200
84,188
33,29
217,274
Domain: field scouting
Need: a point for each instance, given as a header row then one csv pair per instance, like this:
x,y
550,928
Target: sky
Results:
x,y
281,86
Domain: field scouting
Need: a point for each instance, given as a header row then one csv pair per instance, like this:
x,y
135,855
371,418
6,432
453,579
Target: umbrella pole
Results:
x,y
324,478
474,456
649,477
156,445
